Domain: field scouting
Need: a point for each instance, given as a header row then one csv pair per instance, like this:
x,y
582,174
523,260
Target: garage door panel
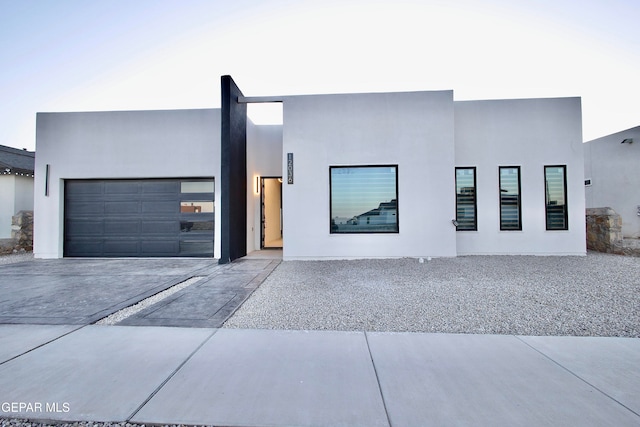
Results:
x,y
121,187
84,248
80,227
159,247
159,227
85,207
85,187
196,227
121,227
167,187
122,218
122,248
195,247
119,208
157,207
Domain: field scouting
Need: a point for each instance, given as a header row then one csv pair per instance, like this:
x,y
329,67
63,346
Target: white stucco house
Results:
x,y
448,177
612,173
16,185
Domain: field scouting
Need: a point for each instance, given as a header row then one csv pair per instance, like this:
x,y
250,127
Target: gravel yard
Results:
x,y
596,295
18,257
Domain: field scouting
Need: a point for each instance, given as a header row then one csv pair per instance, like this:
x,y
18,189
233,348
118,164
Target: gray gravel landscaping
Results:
x,y
17,257
596,295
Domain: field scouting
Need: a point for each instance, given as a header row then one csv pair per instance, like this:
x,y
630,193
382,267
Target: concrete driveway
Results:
x,y
83,291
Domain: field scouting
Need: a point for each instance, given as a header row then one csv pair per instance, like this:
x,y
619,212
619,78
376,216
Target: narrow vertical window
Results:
x,y
510,211
466,205
555,185
364,199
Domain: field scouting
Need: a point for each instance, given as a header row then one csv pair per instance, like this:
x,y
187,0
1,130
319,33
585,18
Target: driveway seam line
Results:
x,y
144,304
166,380
106,312
375,370
576,375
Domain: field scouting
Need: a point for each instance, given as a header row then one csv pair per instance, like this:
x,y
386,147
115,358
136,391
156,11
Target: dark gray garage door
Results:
x,y
139,218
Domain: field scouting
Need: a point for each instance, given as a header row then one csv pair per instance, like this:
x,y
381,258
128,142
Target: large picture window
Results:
x,y
510,210
555,185
363,199
466,199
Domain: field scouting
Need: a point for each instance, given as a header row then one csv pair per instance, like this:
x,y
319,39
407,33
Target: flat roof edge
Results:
x,y
259,99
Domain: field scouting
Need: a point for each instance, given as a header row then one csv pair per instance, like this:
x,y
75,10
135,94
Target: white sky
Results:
x,y
85,55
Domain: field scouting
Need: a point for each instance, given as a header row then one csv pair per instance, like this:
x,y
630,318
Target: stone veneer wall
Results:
x,y
604,230
21,234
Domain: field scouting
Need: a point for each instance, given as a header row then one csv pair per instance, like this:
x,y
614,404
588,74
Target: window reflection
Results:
x,y
196,247
510,198
466,199
196,207
196,226
196,186
364,199
556,197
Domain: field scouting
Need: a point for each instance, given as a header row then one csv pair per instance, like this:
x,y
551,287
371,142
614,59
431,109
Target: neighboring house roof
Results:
x,y
383,206
15,161
620,134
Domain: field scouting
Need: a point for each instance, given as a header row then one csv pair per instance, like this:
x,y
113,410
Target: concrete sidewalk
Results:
x,y
236,377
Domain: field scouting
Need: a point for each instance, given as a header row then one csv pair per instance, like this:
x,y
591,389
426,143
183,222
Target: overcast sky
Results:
x,y
86,55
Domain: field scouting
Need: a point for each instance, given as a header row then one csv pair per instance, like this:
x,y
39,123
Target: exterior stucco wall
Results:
x,y
614,171
16,194
123,144
264,158
7,204
413,130
24,194
530,133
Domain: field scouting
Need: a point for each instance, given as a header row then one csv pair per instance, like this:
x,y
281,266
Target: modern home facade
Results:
x,y
612,173
374,175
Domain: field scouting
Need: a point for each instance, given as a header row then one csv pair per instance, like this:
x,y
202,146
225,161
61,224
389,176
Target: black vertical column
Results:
x,y
233,200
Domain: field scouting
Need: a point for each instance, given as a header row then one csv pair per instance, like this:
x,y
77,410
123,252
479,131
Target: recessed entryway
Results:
x,y
271,212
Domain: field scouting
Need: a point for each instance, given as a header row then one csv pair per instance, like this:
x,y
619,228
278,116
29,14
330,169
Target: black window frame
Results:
x,y
475,198
332,230
518,200
546,199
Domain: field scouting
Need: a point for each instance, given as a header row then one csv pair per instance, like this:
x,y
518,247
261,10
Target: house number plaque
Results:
x,y
289,168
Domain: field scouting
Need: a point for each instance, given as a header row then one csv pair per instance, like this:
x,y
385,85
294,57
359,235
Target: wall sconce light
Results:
x,y
627,141
454,222
46,180
257,185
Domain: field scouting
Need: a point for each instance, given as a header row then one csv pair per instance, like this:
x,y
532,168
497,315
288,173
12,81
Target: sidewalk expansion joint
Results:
x,y
576,375
43,344
375,371
166,380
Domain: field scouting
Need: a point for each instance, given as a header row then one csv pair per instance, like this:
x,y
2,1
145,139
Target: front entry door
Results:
x,y
271,211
